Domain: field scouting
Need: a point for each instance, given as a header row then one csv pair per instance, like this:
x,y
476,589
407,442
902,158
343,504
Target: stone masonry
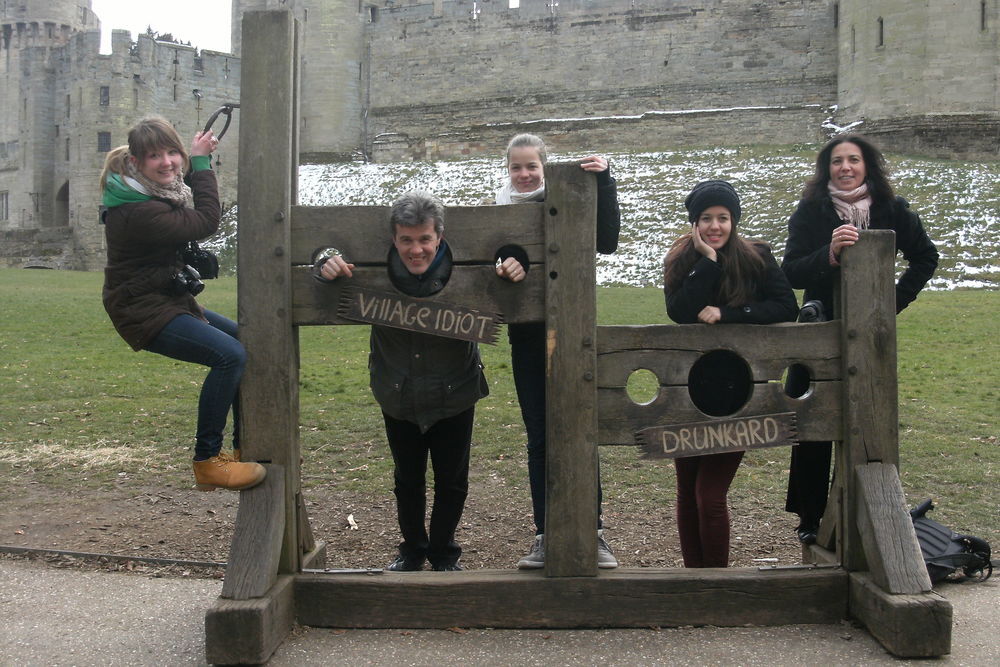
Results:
x,y
436,79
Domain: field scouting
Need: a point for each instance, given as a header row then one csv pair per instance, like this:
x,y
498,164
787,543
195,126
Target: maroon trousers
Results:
x,y
702,510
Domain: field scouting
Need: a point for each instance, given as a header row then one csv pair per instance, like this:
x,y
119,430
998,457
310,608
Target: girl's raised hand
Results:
x,y
594,163
700,245
204,143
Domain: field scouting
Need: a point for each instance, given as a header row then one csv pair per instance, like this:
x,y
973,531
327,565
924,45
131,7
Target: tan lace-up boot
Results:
x,y
222,472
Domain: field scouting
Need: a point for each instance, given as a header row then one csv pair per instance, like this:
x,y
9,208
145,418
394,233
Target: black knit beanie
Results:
x,y
713,193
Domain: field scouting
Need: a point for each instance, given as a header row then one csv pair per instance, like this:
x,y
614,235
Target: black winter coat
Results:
x,y
774,299
807,253
144,243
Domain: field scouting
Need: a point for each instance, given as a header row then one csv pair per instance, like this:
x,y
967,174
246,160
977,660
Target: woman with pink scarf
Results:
x,y
849,192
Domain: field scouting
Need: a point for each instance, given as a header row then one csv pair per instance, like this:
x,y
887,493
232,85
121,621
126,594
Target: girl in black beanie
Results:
x,y
711,275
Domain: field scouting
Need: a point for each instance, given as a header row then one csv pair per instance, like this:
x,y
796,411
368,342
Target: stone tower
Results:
x,y
333,60
63,105
925,76
33,42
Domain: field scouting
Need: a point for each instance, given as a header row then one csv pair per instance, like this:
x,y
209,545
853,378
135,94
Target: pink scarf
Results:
x,y
852,205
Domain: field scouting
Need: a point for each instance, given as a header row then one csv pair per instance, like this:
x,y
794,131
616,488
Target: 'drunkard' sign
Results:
x,y
717,436
413,314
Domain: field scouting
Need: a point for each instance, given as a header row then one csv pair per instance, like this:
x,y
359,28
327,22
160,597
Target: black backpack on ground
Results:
x,y
946,552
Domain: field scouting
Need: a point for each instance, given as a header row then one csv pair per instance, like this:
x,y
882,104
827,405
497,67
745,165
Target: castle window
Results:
x,y
199,64
57,130
67,149
105,95
135,99
880,37
68,105
854,42
372,13
4,205
103,142
982,15
836,15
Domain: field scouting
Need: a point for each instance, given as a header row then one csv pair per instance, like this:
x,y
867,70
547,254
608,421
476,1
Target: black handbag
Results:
x,y
203,261
946,552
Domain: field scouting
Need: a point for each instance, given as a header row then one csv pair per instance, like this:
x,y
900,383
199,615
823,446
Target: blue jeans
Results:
x,y
213,344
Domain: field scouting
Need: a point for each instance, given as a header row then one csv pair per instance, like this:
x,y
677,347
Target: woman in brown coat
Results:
x,y
152,213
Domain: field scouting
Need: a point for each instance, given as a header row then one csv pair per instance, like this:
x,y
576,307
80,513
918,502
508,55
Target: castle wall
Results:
x,y
333,50
69,96
925,76
435,70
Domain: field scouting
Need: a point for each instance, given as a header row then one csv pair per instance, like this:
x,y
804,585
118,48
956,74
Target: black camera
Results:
x,y
187,280
204,262
812,311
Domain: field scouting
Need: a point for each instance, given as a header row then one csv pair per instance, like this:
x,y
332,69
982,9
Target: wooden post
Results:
x,y
571,368
871,412
268,163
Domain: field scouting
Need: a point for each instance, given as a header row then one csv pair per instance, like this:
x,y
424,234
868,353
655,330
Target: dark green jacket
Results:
x,y
418,377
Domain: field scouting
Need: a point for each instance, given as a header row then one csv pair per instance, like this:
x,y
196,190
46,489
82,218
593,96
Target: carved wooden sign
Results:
x,y
412,314
717,436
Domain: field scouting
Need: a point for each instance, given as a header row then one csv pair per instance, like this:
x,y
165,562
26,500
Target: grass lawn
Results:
x,y
80,408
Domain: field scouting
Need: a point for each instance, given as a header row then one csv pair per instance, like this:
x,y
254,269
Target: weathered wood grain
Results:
x,y
890,543
316,303
619,417
256,546
363,236
908,626
247,632
669,350
571,370
613,599
871,411
269,389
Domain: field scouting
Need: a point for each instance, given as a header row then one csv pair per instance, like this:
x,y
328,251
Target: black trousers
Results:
x,y
447,442
527,360
809,470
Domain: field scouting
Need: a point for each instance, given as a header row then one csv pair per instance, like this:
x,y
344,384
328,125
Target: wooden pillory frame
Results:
x,y
870,568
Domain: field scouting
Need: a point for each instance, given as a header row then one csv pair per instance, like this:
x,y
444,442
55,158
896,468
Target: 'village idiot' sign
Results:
x,y
429,317
717,436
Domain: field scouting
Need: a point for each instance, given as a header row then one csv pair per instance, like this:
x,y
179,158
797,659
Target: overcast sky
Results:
x,y
204,23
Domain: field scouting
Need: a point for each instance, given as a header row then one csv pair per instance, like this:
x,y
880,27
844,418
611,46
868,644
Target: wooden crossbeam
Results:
x,y
361,233
614,599
669,351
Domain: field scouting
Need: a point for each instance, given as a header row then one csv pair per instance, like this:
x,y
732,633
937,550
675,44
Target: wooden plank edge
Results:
x,y
622,599
249,631
316,558
908,626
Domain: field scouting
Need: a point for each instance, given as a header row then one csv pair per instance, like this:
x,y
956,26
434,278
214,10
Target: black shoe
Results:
x,y
449,567
405,564
807,534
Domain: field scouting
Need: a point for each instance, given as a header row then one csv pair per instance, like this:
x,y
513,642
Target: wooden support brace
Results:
x,y
890,543
908,626
247,632
257,537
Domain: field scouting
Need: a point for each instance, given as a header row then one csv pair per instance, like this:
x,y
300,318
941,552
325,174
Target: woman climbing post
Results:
x,y
152,214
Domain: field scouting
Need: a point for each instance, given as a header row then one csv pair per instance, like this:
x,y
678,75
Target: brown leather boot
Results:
x,y
222,472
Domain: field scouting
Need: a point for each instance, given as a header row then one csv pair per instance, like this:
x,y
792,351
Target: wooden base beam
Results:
x,y
247,632
908,626
623,599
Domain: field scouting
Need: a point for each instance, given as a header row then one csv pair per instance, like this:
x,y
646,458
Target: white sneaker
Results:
x,y
605,559
536,557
